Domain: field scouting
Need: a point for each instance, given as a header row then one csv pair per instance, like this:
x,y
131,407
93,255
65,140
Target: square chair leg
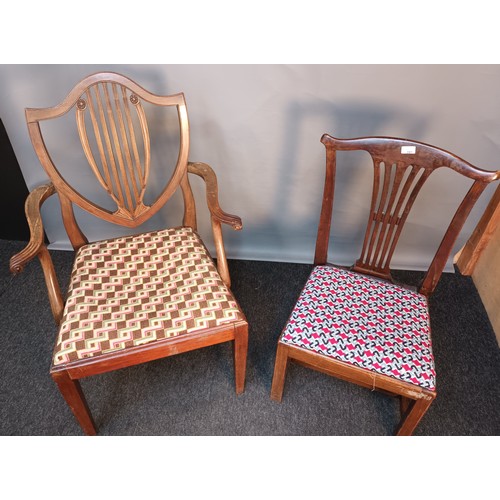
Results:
x,y
414,413
240,356
280,367
72,393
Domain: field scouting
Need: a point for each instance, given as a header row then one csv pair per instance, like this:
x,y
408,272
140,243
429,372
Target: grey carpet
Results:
x,y
193,393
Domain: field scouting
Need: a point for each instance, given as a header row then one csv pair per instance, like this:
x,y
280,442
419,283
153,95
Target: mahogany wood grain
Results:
x,y
208,175
350,373
321,254
218,216
53,289
73,395
75,234
398,179
436,267
108,124
36,248
189,218
32,207
412,416
240,347
280,367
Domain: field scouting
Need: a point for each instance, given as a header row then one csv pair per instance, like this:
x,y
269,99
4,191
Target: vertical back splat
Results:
x,y
117,163
395,188
401,168
113,130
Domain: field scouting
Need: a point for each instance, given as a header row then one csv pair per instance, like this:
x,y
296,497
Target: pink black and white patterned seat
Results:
x,y
364,322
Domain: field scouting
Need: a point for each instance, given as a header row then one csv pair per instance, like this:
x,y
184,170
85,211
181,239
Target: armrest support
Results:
x,y
36,248
217,214
208,175
32,208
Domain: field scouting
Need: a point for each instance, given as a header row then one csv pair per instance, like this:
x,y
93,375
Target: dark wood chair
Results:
x,y
140,297
357,324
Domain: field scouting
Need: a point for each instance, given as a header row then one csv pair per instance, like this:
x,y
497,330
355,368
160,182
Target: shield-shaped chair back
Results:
x,y
114,133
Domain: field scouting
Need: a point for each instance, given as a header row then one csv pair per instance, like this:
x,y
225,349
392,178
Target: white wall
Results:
x,y
259,126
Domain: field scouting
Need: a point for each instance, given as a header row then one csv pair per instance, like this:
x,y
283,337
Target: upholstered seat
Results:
x,y
365,322
134,290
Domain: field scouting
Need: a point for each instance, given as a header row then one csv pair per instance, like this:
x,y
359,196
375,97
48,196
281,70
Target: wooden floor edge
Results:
x,y
467,257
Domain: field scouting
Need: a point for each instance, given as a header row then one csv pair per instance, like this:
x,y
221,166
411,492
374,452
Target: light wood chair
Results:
x,y
138,297
357,324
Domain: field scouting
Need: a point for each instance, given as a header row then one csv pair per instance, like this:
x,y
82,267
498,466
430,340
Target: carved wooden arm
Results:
x,y
36,248
208,175
218,216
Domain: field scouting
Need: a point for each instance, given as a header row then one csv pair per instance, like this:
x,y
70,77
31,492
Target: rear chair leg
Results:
x,y
280,367
240,356
72,393
405,403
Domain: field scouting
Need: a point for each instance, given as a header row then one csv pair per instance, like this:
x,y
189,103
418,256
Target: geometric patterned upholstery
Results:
x,y
134,290
364,322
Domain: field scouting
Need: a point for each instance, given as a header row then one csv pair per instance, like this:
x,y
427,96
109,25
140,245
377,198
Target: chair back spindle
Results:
x,y
401,168
121,169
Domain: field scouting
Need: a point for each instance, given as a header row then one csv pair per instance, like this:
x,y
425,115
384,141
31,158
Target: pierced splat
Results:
x,y
121,168
395,188
114,133
401,168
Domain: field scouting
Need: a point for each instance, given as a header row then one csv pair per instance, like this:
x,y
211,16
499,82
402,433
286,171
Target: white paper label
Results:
x,y
408,150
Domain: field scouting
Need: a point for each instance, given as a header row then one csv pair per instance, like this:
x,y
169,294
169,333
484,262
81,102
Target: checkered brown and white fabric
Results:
x,y
136,290
362,321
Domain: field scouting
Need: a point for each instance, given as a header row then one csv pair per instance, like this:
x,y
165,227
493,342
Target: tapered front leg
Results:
x,y
72,393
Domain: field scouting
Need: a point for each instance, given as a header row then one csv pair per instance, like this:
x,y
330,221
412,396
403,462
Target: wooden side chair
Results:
x,y
137,298
357,324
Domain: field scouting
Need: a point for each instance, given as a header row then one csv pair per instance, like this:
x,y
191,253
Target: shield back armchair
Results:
x,y
145,295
